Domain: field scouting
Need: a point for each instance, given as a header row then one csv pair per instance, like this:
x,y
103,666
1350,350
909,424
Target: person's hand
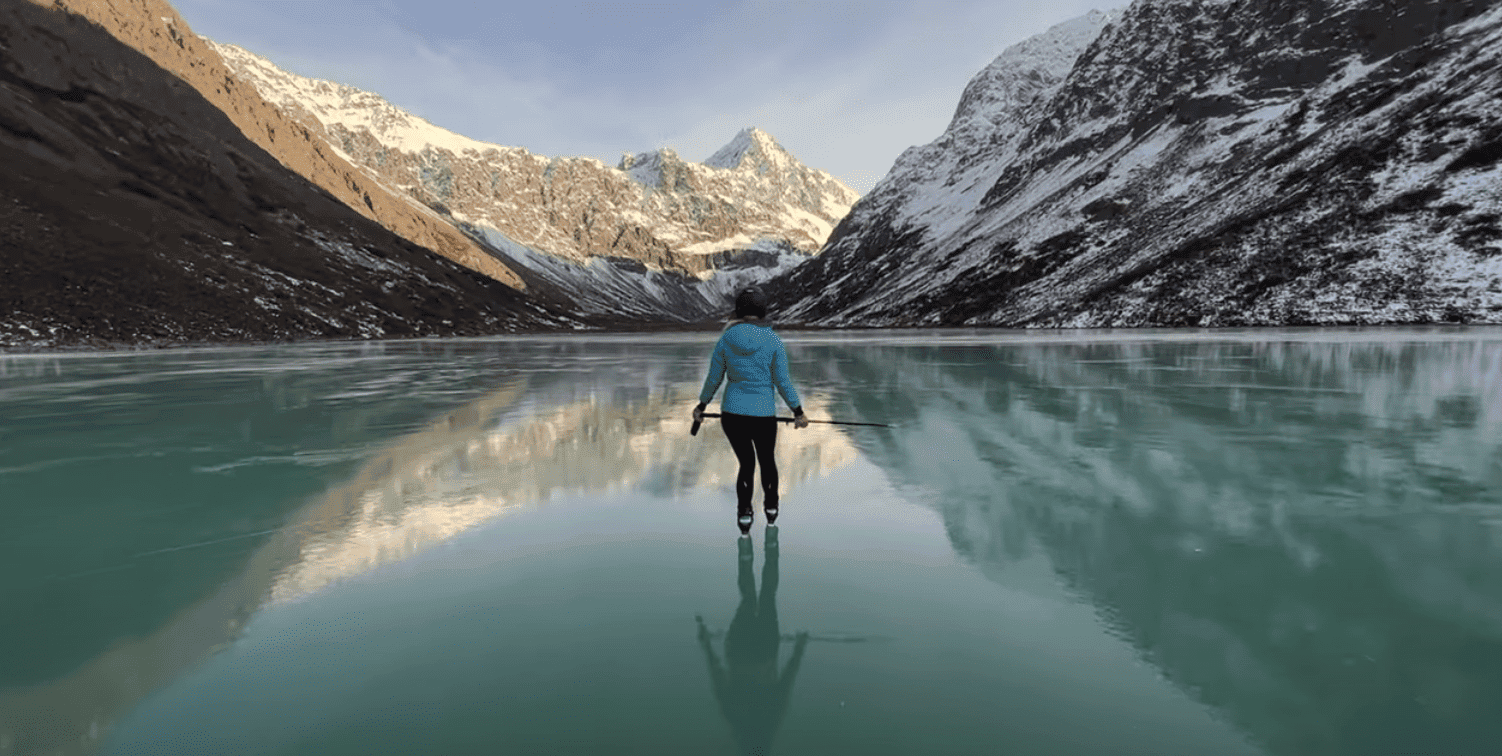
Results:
x,y
699,413
800,420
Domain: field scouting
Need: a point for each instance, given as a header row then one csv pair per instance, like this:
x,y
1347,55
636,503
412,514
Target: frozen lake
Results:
x,y
1261,542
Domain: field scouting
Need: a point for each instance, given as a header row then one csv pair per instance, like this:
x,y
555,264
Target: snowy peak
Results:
x,y
752,150
1029,69
751,146
753,155
937,182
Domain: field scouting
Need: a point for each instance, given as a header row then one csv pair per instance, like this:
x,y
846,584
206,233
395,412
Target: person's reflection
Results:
x,y
753,697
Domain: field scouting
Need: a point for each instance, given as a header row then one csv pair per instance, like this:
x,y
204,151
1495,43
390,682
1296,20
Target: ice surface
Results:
x,y
476,498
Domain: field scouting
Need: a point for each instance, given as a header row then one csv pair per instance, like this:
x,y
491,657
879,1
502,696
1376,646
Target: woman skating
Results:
x,y
751,356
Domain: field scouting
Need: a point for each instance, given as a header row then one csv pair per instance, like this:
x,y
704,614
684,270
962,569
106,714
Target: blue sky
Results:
x,y
844,86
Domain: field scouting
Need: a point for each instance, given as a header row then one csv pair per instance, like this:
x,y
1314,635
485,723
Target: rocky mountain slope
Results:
x,y
133,210
155,29
648,237
1201,163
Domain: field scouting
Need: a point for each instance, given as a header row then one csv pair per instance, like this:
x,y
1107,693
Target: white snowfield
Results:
x,y
558,214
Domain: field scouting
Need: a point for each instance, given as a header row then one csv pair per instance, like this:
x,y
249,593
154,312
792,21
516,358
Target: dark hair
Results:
x,y
750,302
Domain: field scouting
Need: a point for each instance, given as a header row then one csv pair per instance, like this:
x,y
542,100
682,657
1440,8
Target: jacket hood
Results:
x,y
743,341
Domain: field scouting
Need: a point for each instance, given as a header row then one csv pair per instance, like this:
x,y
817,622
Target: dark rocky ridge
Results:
x,y
133,211
1199,163
155,29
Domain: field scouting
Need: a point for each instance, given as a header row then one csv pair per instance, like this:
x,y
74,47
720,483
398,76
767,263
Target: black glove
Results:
x,y
698,419
799,421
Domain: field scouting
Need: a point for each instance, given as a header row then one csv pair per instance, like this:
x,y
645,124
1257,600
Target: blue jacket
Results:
x,y
755,361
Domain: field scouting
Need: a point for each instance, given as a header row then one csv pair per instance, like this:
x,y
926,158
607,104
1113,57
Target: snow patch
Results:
x,y
337,104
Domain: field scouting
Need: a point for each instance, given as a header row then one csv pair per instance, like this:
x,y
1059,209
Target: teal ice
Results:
x,y
1229,542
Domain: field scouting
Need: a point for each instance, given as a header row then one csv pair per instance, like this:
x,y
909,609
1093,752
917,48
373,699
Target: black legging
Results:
x,y
752,437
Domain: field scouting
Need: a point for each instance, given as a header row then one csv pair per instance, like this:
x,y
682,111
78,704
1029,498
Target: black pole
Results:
x,y
695,430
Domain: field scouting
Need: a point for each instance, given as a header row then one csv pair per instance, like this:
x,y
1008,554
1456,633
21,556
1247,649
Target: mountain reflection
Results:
x,y
1301,534
512,448
752,694
464,472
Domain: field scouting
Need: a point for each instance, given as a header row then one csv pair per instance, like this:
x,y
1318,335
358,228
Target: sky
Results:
x,y
844,86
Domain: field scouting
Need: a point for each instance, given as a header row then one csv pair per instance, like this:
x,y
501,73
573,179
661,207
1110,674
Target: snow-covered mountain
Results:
x,y
655,236
137,206
1201,163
